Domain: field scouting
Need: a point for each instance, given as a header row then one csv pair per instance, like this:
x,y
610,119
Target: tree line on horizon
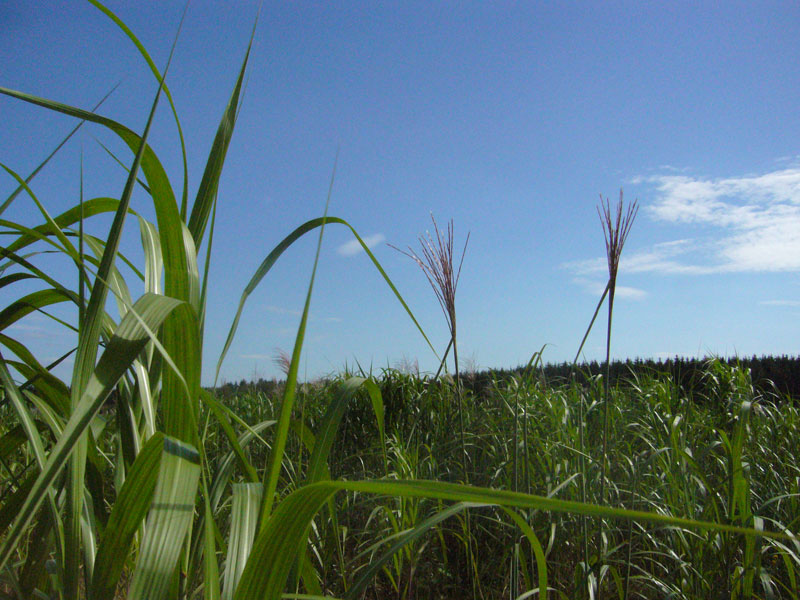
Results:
x,y
776,375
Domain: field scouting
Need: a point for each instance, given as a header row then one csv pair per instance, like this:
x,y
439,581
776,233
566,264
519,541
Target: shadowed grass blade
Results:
x,y
333,416
360,586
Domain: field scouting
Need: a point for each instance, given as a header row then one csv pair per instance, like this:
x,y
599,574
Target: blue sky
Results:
x,y
510,118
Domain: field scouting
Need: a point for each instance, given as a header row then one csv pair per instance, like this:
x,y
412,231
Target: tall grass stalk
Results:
x,y
438,264
616,228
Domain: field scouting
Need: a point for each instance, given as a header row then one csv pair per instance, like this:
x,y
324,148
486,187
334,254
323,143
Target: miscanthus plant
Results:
x,y
174,519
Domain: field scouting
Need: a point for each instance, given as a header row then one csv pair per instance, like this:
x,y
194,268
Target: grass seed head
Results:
x,y
437,261
615,231
282,360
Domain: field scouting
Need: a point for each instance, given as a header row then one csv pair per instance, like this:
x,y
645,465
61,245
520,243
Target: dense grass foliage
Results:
x,y
669,453
127,479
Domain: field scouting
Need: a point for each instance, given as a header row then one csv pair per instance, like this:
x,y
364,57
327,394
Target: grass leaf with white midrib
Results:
x,y
168,521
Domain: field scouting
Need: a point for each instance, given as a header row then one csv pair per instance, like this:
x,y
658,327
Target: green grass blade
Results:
x,y
153,260
180,389
129,339
67,246
35,301
219,414
288,524
284,419
224,469
330,424
209,184
168,521
125,167
211,583
92,207
360,586
37,445
127,515
206,268
244,519
538,552
154,69
38,377
60,145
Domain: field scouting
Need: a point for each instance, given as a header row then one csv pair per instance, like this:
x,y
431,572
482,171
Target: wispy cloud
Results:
x,y
754,219
352,247
780,302
661,257
257,356
282,311
593,286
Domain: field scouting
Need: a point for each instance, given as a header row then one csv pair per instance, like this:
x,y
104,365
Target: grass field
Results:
x,y
129,479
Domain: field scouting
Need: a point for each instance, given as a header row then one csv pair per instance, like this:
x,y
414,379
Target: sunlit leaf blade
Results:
x,y
153,261
244,519
179,405
30,303
167,522
130,337
127,515
209,184
69,217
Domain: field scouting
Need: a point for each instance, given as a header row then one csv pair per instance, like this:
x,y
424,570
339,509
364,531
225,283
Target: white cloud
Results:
x,y
749,223
629,293
754,219
353,247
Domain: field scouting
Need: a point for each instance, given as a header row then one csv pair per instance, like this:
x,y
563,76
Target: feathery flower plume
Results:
x,y
615,232
437,262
